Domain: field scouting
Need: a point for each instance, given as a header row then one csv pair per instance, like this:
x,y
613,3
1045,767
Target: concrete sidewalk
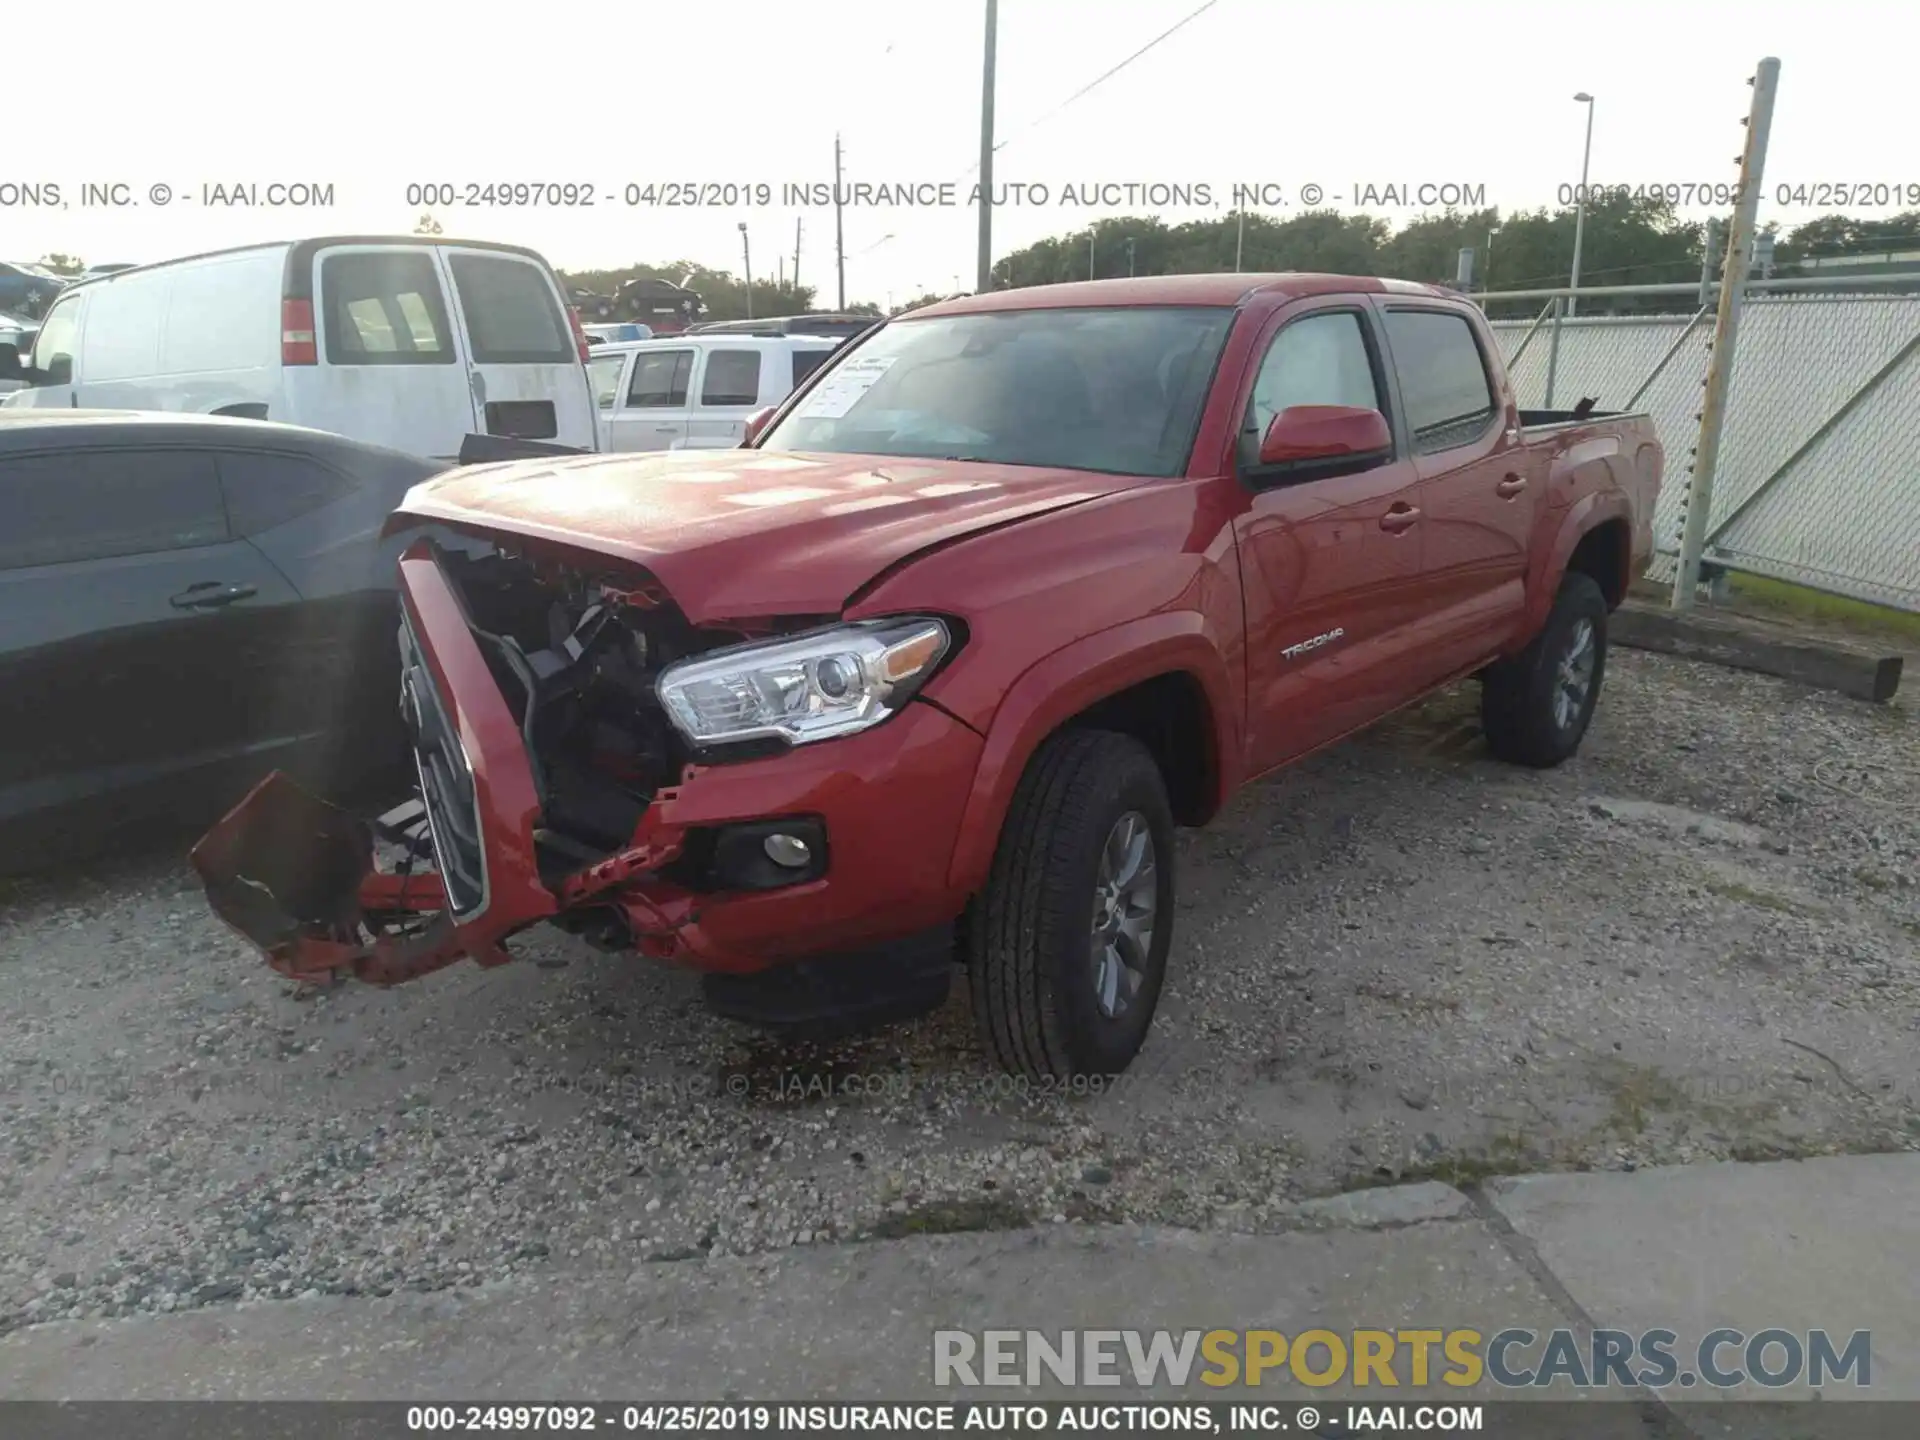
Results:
x,y
1828,1244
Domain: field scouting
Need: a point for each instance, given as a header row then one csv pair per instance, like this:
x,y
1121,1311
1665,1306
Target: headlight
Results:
x,y
813,687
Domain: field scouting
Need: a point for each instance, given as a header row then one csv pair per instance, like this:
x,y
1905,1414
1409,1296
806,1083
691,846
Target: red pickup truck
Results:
x,y
922,677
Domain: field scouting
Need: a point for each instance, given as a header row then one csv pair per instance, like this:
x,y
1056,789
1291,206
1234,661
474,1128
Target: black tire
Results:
x,y
1520,699
1029,943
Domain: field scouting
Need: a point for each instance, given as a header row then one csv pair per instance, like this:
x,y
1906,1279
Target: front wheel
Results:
x,y
1535,707
1066,948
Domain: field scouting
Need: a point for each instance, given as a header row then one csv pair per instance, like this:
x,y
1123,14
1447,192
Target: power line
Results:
x,y
1092,84
1105,76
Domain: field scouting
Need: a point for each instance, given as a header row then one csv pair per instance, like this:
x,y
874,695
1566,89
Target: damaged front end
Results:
x,y
547,773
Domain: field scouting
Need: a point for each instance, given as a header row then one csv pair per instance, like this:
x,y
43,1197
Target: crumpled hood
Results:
x,y
734,534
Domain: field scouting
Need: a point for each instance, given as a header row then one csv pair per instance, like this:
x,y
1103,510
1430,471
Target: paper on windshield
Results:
x,y
841,390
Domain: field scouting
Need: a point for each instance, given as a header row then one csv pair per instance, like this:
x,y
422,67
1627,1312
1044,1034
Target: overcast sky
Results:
x,y
371,97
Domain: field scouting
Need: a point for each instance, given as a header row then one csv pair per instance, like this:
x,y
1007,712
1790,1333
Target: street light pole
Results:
x,y
984,282
1240,243
1580,206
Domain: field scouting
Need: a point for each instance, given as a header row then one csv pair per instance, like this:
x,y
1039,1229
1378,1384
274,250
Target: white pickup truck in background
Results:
x,y
695,392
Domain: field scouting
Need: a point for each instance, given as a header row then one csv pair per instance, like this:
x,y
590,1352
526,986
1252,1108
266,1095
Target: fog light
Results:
x,y
788,850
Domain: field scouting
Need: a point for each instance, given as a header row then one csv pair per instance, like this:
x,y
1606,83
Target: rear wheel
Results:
x,y
1067,946
1535,707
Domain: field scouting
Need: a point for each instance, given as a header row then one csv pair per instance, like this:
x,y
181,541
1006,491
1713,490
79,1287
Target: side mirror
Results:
x,y
10,361
1308,433
756,423
59,371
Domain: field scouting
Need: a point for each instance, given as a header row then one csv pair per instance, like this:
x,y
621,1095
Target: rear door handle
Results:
x,y
1401,517
1511,486
211,595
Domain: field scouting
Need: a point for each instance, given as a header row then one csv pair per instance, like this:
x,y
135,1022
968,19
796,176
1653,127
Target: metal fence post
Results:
x,y
1553,352
1733,285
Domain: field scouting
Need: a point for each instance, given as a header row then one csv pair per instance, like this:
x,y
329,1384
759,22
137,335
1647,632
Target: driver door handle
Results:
x,y
1401,517
1511,486
212,595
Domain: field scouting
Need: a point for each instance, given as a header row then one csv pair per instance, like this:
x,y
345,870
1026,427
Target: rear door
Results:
x,y
1477,495
528,380
652,412
390,371
135,630
731,384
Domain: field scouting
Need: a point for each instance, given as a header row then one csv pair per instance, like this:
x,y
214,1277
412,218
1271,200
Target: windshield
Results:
x,y
1116,390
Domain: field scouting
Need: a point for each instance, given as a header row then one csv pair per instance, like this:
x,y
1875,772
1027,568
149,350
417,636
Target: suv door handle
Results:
x,y
1401,517
212,595
1511,486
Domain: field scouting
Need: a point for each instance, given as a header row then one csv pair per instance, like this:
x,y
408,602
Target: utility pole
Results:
x,y
1240,243
984,267
798,222
1130,257
746,257
1733,288
839,232
1093,235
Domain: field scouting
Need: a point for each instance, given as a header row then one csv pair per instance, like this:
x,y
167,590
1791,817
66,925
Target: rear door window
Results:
x,y
805,362
97,504
732,378
384,308
660,379
1443,378
263,489
513,317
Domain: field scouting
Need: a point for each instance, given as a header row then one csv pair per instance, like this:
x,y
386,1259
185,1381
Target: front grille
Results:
x,y
446,782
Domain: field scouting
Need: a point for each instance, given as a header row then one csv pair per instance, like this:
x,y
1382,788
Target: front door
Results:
x,y
524,366
1480,493
390,369
1330,562
652,412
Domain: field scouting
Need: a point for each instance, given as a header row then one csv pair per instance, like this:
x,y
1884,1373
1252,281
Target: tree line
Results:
x,y
1628,240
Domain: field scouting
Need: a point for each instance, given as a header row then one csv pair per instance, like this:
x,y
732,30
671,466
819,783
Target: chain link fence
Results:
x,y
1819,471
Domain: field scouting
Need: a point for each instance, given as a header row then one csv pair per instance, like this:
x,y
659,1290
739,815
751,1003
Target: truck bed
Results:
x,y
1533,421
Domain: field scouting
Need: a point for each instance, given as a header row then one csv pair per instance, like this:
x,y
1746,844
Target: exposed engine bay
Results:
x,y
577,655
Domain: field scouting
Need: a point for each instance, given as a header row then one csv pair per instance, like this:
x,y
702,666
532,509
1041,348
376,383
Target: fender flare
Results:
x,y
1056,688
1581,519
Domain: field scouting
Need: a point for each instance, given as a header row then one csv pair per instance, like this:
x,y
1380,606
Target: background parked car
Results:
x,y
94,272
408,342
695,392
609,334
840,327
591,305
187,602
28,289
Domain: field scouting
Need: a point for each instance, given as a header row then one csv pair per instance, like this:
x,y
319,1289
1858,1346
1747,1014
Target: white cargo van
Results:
x,y
696,392
407,342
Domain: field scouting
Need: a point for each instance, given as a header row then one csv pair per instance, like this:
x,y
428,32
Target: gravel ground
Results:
x,y
1700,939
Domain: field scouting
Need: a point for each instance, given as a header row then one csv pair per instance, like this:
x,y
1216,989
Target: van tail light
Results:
x,y
579,335
297,343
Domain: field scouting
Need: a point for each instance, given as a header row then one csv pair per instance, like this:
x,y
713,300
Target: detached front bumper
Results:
x,y
305,882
